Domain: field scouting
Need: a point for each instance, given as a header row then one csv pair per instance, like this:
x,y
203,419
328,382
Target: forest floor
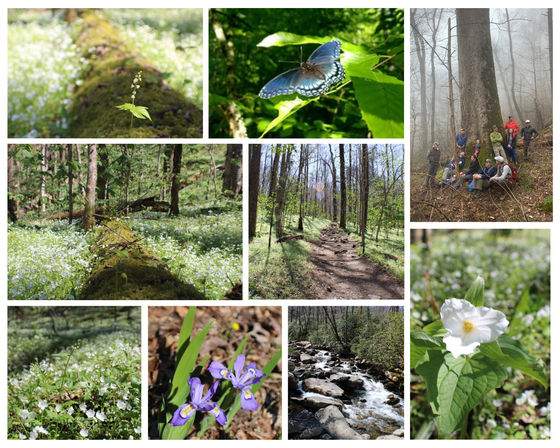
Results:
x,y
530,199
263,325
340,273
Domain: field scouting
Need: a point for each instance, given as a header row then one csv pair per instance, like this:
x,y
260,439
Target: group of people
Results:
x,y
482,177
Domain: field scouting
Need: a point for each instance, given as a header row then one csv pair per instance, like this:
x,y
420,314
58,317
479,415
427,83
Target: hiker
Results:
x,y
511,141
461,140
481,179
467,175
511,124
497,140
448,172
503,172
477,147
433,164
528,133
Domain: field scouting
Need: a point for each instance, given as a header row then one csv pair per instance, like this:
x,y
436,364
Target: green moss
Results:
x,y
107,85
546,205
126,270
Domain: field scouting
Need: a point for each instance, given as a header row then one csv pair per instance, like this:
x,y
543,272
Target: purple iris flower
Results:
x,y
198,403
242,380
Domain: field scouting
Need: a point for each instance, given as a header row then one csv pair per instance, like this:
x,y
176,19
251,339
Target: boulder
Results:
x,y
347,382
303,421
316,402
336,425
322,387
292,382
390,437
306,359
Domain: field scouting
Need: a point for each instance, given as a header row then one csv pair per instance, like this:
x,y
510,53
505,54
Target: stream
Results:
x,y
368,406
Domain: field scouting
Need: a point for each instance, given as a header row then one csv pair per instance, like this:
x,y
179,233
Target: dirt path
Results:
x,y
340,273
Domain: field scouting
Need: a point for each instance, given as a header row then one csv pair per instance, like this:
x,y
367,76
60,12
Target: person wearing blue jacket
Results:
x,y
461,139
482,178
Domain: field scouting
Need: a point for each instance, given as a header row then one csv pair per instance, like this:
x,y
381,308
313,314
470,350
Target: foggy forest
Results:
x,y
474,69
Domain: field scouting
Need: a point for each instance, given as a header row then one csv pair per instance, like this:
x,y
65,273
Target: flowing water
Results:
x,y
367,410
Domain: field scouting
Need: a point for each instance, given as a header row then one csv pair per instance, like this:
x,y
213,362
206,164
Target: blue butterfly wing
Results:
x,y
326,52
313,78
283,84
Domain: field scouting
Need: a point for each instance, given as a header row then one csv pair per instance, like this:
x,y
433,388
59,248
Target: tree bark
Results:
x,y
342,223
512,85
176,173
12,202
89,220
451,96
334,191
479,92
365,193
421,55
102,182
233,172
254,184
281,193
70,183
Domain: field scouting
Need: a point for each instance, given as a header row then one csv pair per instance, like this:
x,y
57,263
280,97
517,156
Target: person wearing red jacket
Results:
x,y
511,124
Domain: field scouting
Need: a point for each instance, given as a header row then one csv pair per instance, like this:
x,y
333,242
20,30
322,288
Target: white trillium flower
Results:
x,y
468,326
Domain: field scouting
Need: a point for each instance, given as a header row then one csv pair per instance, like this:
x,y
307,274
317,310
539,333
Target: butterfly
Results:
x,y
313,77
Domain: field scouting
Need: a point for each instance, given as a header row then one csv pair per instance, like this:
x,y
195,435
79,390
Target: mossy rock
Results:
x,y
107,84
127,271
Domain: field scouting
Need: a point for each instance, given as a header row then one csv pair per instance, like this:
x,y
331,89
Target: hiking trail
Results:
x,y
340,273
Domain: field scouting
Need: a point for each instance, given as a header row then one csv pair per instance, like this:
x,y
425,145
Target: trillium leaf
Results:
x,y
420,342
475,294
456,385
512,353
435,329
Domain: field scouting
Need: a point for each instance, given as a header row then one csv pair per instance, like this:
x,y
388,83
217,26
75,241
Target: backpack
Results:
x,y
514,173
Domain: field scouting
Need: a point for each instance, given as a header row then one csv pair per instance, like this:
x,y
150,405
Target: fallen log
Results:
x,y
125,270
289,238
107,84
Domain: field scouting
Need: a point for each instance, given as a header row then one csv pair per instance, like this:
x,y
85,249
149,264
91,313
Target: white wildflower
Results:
x,y
468,326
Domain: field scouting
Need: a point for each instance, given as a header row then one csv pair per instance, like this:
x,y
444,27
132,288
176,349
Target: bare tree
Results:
x,y
342,187
176,173
254,183
89,209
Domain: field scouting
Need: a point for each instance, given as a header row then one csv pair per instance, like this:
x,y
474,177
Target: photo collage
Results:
x,y
306,222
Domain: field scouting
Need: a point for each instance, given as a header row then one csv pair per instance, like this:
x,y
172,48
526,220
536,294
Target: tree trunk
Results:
x,y
512,56
365,193
233,178
176,173
334,191
102,182
70,183
44,169
451,96
435,27
254,183
480,103
12,202
550,46
421,55
281,193
89,220
342,223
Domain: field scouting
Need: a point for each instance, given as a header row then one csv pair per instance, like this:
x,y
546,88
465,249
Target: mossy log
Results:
x,y
126,270
107,84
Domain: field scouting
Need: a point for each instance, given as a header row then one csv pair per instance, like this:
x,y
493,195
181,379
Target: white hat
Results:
x,y
527,121
499,159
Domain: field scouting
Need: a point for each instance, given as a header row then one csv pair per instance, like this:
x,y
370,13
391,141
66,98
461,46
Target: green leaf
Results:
x,y
522,308
456,385
286,108
512,353
475,294
186,361
420,343
436,328
138,111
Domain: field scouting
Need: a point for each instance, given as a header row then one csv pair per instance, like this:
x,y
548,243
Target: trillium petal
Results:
x,y
218,370
248,401
182,414
457,347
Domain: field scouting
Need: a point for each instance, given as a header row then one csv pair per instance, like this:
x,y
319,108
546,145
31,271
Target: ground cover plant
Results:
x,y
214,373
156,215
446,274
361,92
74,373
326,221
69,67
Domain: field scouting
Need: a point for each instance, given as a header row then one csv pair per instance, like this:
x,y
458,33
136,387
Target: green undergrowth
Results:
x,y
287,275
113,65
74,373
125,269
380,252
